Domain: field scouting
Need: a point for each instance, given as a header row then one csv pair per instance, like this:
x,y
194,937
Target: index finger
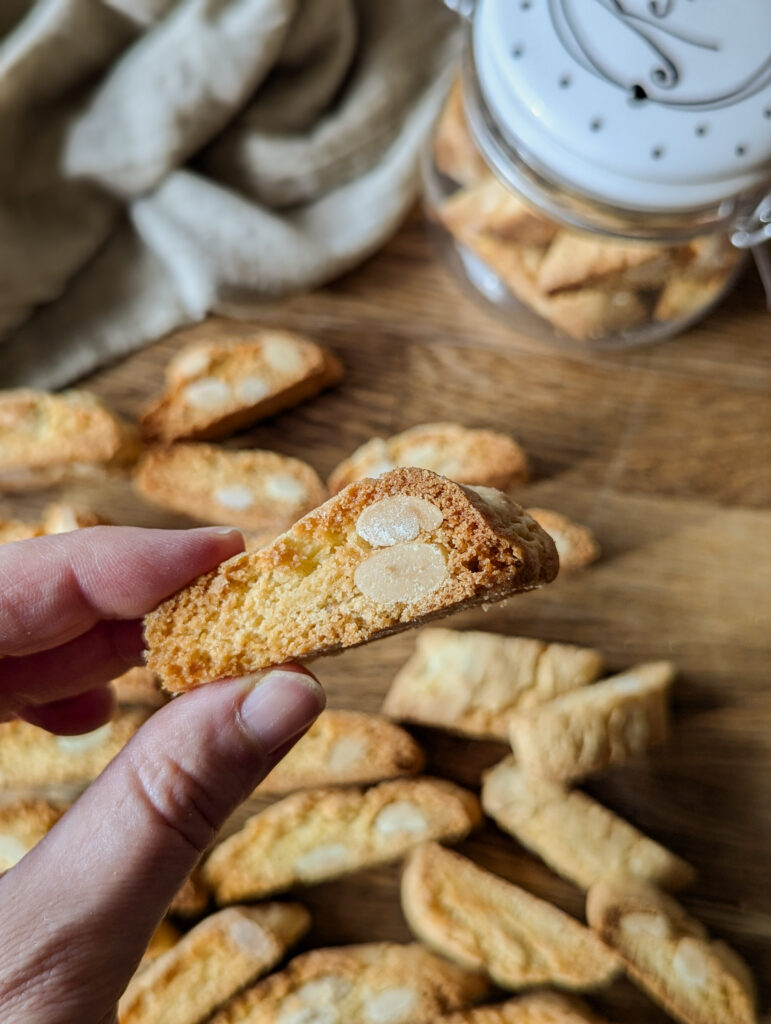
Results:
x,y
54,588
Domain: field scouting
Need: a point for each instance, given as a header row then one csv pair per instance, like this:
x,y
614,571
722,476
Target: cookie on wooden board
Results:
x,y
485,923
373,983
379,557
669,954
574,834
473,682
581,732
466,455
232,373
319,834
536,1008
216,959
344,748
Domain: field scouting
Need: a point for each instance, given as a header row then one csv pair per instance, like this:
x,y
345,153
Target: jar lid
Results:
x,y
648,105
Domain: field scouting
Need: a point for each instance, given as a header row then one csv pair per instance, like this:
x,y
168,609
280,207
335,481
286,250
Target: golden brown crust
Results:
x,y
588,729
537,1008
212,962
454,151
484,923
473,682
463,454
576,836
668,953
22,826
230,374
321,586
378,981
46,438
319,834
345,748
30,756
576,544
260,491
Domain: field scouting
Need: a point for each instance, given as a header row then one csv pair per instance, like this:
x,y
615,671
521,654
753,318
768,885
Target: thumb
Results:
x,y
79,909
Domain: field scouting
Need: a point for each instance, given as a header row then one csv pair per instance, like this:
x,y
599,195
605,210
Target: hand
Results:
x,y
78,910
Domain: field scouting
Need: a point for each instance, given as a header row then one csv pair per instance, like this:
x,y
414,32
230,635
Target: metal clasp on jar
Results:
x,y
753,232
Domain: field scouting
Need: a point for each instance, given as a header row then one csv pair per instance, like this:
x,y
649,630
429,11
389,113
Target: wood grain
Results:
x,y
666,453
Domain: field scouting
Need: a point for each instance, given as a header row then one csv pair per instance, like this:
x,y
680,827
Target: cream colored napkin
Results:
x,y
160,158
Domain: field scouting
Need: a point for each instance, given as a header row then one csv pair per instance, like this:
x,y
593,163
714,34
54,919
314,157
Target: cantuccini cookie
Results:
x,y
319,834
468,456
576,544
374,983
16,529
606,723
61,517
576,836
685,296
455,154
22,826
344,748
232,373
212,962
576,260
473,682
484,923
669,954
46,438
488,208
139,686
377,558
30,756
536,1008
260,491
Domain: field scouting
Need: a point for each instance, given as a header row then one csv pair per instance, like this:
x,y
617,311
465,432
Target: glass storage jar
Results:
x,y
601,168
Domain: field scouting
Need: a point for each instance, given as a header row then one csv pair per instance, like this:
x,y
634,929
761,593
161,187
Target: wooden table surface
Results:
x,y
666,453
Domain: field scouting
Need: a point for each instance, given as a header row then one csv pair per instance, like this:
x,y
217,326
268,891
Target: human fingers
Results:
x,y
79,909
55,588
73,715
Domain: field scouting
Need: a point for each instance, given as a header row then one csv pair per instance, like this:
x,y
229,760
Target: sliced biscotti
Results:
x,y
374,983
319,834
482,457
536,1008
488,208
576,544
455,154
576,260
22,826
576,836
30,756
46,438
584,731
232,373
17,529
212,962
668,953
473,682
377,558
261,491
343,748
485,923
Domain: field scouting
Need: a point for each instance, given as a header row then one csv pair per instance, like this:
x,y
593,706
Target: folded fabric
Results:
x,y
161,158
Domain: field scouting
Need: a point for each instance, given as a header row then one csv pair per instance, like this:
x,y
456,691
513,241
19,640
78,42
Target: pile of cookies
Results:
x,y
588,286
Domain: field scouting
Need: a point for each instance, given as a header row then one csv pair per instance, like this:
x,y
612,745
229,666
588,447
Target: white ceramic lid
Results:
x,y
653,105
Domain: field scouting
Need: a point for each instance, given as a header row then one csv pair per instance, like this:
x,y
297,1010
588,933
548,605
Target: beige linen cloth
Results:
x,y
161,158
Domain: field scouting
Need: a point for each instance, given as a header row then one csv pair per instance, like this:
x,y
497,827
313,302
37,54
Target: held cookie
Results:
x,y
231,374
485,923
472,682
584,731
669,955
344,748
374,983
467,456
211,963
260,491
537,1008
30,756
22,826
576,544
320,834
46,438
576,836
377,558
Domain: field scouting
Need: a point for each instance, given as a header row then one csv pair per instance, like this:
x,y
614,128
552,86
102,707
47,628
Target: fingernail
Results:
x,y
224,531
280,705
